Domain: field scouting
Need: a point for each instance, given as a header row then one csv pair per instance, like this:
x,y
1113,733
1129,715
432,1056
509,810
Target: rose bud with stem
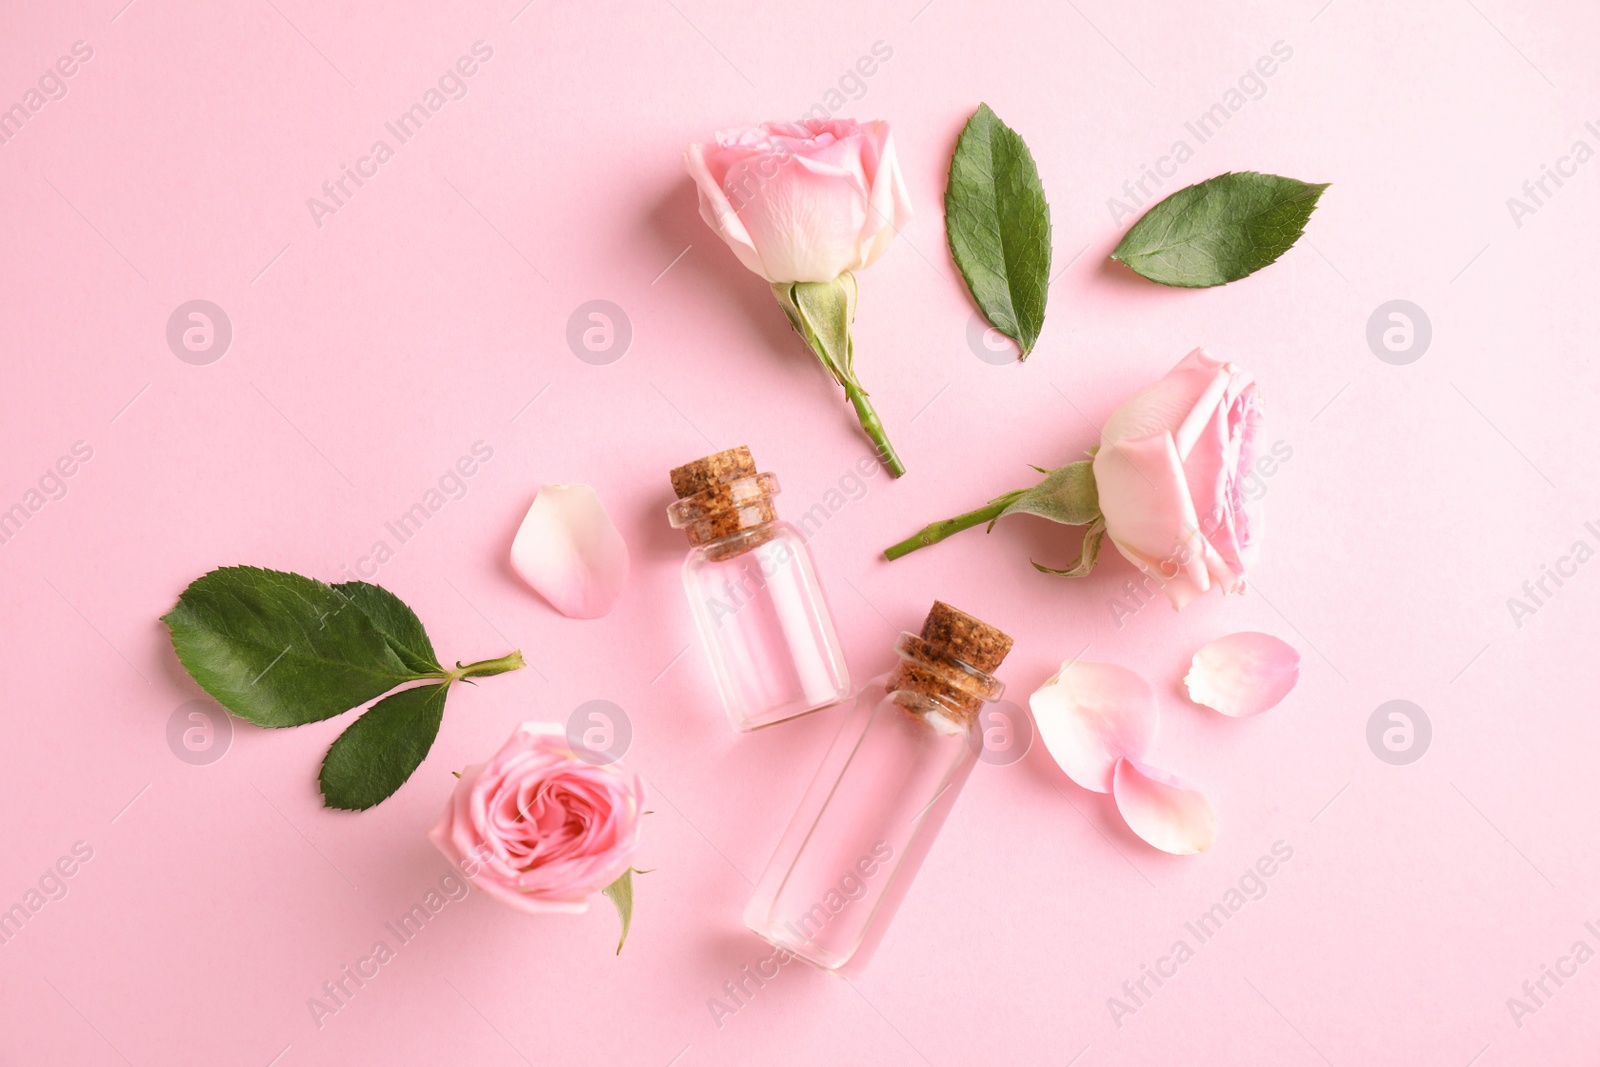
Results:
x,y
1172,483
804,205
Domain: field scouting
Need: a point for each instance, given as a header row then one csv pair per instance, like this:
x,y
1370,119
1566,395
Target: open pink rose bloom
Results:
x,y
537,827
1171,474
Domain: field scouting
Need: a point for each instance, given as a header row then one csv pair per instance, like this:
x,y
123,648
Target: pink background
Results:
x,y
430,313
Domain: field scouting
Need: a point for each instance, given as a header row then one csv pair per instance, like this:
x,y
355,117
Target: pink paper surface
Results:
x,y
375,345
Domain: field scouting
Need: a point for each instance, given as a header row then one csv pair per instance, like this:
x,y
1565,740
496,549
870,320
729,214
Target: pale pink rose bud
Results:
x,y
802,201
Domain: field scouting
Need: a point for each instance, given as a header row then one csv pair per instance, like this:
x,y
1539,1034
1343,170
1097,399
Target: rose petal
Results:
x,y
1090,715
569,551
1243,674
1164,810
1149,515
717,211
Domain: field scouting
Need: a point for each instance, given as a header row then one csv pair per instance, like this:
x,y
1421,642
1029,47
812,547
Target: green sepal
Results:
x,y
1067,495
1088,555
621,894
822,314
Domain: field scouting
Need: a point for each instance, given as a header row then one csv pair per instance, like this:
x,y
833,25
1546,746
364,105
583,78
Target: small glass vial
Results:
x,y
754,593
881,795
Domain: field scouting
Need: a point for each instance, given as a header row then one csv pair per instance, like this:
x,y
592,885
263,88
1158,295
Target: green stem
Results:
x,y
485,667
874,427
935,532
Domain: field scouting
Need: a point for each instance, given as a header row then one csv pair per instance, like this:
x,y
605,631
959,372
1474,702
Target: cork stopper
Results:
x,y
972,641
952,661
720,496
702,474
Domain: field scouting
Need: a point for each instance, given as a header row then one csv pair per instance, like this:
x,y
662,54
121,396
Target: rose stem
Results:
x,y
485,667
874,428
935,532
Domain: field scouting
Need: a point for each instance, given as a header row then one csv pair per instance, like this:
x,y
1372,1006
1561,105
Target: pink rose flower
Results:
x,y
802,201
1171,473
539,828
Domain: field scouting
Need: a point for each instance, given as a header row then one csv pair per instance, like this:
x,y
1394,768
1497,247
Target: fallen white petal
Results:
x,y
570,552
1092,714
1164,810
1243,674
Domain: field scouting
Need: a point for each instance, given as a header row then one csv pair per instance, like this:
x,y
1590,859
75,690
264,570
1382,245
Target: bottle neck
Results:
x,y
728,514
739,542
933,672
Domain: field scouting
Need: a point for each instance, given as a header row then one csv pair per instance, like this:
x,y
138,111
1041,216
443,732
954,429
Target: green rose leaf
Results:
x,y
1219,230
380,750
621,894
998,225
1066,495
397,622
281,649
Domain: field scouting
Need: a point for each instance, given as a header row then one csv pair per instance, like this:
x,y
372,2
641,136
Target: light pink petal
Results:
x,y
891,202
1245,422
1243,674
806,221
1149,514
1209,464
570,552
1165,811
707,168
1231,521
1090,715
1169,401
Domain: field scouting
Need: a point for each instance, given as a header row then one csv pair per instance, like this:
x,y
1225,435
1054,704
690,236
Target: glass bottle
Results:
x,y
754,593
881,795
